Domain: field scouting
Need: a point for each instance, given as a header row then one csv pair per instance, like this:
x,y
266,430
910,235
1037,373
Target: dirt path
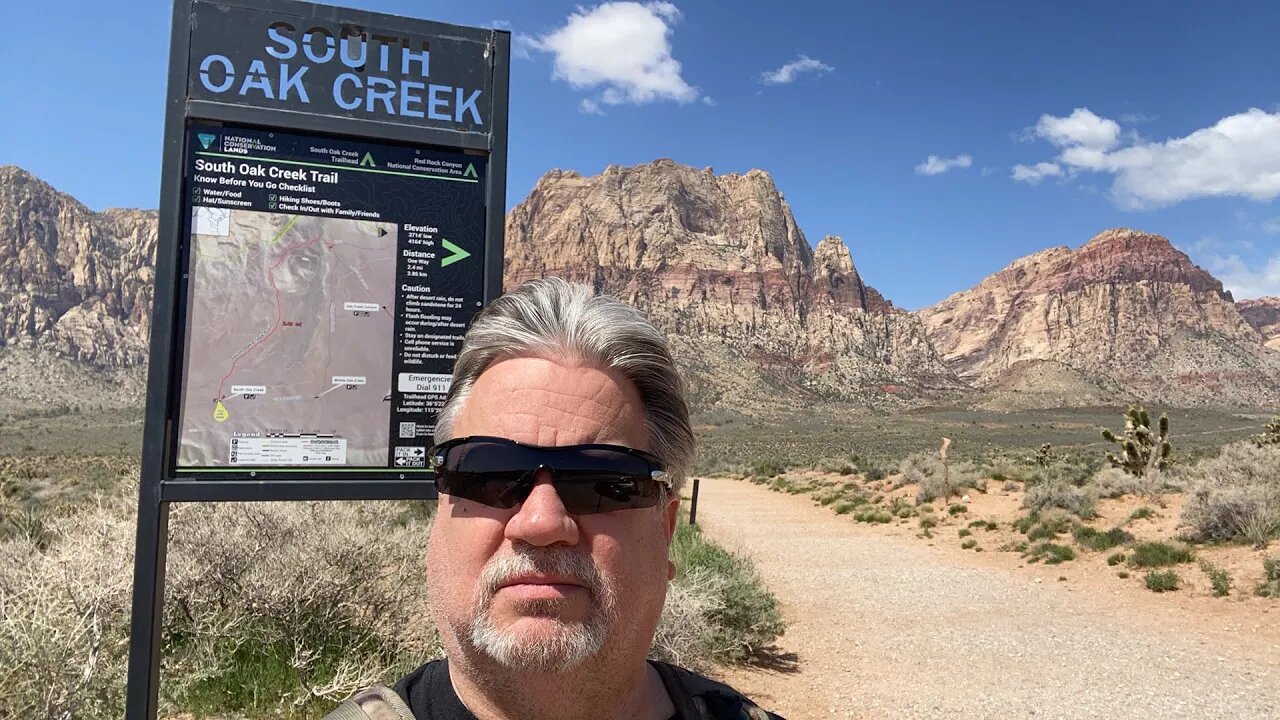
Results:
x,y
884,625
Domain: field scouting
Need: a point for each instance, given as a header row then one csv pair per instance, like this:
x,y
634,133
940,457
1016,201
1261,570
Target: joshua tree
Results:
x,y
1270,433
1141,449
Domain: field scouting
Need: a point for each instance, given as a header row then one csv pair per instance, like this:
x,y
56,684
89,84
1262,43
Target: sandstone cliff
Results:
x,y
1126,306
1264,315
720,264
73,281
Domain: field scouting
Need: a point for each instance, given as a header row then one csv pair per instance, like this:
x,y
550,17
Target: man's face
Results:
x,y
535,586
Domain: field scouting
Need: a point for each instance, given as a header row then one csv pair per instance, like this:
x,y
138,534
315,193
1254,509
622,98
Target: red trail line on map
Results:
x,y
276,326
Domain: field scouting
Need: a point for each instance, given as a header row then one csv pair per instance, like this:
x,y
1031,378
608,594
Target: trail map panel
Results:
x,y
329,286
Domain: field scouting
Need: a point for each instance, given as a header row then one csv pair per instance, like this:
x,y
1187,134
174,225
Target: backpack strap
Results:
x,y
375,703
700,698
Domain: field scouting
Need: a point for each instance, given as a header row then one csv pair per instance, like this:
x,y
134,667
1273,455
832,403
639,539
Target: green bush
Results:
x,y
957,509
1270,586
1142,513
1094,539
1159,554
968,544
874,474
1162,581
928,521
1116,558
745,618
1051,553
1218,578
965,532
1049,527
766,468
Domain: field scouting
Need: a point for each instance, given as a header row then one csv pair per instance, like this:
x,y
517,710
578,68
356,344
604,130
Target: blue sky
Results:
x,y
1046,122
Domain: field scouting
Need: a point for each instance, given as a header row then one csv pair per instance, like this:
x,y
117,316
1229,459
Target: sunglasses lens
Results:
x,y
485,472
587,479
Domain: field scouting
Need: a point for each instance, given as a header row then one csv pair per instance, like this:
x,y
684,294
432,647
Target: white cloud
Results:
x,y
590,107
934,165
789,72
1238,156
1033,174
708,100
500,24
1246,281
1271,226
1081,128
987,171
621,49
522,46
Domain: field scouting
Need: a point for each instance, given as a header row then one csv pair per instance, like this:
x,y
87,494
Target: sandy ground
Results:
x,y
883,624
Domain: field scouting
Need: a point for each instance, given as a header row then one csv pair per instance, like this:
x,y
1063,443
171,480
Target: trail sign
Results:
x,y
331,218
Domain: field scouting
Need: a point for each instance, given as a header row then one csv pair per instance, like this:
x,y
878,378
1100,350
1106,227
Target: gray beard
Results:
x,y
572,644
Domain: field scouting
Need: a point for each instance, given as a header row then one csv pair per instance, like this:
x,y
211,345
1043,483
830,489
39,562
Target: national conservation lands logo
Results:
x,y
206,139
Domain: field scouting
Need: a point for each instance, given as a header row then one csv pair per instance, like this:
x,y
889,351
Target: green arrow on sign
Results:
x,y
368,160
470,171
455,253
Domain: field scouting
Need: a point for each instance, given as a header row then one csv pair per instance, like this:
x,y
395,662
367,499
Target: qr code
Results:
x,y
408,429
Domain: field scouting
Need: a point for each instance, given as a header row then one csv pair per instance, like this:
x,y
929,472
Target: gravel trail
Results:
x,y
886,626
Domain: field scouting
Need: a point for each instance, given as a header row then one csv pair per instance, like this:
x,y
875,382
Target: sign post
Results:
x,y
331,219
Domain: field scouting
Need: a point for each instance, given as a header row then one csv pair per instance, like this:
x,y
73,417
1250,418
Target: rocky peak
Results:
x,y
719,261
72,280
1263,314
1126,306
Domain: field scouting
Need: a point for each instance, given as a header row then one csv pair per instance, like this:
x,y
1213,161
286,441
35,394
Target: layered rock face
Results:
x,y
1264,315
718,262
1126,306
73,281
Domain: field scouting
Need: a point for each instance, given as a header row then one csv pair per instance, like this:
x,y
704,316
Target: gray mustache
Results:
x,y
540,560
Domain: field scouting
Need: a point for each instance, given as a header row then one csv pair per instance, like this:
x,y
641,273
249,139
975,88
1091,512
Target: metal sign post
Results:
x,y
331,219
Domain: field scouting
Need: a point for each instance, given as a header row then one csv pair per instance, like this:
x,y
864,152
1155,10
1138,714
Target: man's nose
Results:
x,y
542,518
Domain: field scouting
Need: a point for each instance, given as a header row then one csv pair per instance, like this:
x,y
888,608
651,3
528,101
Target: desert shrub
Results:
x,y
928,521
964,532
1142,513
1162,580
1116,558
271,608
743,615
1159,554
1112,482
874,474
967,544
1083,502
926,470
1051,553
1123,574
1270,586
1048,527
870,514
957,509
836,466
765,468
1234,496
1218,578
1095,539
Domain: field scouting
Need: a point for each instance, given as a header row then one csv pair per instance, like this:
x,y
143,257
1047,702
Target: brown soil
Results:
x,y
884,623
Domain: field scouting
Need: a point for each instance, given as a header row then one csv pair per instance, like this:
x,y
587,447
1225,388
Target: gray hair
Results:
x,y
550,317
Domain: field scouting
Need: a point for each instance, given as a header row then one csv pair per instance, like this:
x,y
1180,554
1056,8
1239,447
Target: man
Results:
x,y
561,450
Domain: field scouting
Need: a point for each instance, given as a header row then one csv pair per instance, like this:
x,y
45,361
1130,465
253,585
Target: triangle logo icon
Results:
x,y
470,171
367,160
206,139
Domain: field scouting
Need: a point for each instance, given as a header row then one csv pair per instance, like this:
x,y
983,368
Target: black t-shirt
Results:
x,y
429,694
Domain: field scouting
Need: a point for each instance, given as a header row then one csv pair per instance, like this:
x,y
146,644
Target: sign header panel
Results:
x,y
418,73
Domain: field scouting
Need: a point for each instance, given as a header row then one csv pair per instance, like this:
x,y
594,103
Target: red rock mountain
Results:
x,y
73,281
719,263
1264,315
1126,306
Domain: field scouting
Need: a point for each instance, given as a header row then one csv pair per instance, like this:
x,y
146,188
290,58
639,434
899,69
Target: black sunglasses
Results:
x,y
590,478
